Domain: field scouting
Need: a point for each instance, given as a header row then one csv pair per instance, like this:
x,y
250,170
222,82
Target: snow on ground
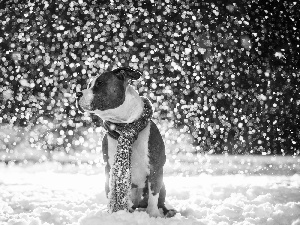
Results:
x,y
51,193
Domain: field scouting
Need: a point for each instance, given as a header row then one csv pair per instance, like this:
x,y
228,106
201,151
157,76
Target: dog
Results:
x,y
110,96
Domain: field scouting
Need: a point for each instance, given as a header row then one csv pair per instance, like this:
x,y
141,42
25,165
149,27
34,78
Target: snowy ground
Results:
x,y
210,190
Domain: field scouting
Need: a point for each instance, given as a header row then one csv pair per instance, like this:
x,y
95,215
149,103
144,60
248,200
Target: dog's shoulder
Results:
x,y
156,146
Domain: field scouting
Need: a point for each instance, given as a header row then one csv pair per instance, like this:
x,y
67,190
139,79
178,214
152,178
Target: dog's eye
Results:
x,y
98,83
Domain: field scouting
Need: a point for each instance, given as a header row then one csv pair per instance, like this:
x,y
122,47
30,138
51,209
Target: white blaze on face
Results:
x,y
92,81
86,99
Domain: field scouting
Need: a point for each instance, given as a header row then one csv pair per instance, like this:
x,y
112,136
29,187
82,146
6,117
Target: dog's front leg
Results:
x,y
154,187
107,166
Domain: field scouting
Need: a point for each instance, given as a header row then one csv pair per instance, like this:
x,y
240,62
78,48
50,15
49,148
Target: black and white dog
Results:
x,y
110,96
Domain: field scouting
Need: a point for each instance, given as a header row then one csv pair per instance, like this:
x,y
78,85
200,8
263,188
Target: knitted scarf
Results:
x,y
121,168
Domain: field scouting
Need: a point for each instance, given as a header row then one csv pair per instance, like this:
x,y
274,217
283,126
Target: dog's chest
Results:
x,y
139,160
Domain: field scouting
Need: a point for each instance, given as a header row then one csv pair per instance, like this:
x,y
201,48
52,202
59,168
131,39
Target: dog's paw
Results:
x,y
153,212
170,213
131,210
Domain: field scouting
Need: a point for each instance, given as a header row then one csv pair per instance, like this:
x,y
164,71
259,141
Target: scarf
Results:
x,y
126,134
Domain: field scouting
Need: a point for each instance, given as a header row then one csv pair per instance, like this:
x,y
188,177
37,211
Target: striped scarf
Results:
x,y
126,135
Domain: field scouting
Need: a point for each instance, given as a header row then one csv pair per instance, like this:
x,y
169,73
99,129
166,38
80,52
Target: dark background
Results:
x,y
225,72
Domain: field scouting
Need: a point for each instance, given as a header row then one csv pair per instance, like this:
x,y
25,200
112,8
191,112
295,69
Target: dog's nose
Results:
x,y
79,94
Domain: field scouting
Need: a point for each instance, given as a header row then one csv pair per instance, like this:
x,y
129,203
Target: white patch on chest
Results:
x,y
139,159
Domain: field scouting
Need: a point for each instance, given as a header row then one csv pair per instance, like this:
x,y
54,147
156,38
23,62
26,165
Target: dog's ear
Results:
x,y
125,72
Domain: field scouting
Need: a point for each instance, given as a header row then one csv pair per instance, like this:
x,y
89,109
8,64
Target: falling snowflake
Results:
x,y
224,74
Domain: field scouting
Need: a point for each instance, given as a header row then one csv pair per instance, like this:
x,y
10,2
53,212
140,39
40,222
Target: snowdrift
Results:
x,y
52,193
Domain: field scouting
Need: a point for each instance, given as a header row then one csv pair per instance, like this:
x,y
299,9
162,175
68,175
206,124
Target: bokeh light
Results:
x,y
223,74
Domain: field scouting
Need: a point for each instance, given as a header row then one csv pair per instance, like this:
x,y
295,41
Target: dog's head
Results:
x,y
107,90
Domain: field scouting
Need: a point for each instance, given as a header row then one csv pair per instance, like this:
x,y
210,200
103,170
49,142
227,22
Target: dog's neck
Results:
x,y
129,111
